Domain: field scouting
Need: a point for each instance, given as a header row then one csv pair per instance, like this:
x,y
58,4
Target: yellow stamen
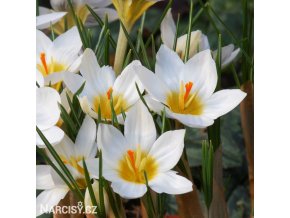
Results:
x,y
181,96
188,87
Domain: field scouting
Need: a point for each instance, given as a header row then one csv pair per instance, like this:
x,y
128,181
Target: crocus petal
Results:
x,y
66,46
44,10
44,21
194,121
93,167
54,78
222,102
86,107
73,81
125,84
139,127
168,67
153,84
54,135
46,178
129,190
154,105
98,3
47,111
167,149
48,199
170,183
85,140
168,30
231,58
75,66
43,43
201,71
112,143
204,44
195,39
100,78
64,101
39,79
66,148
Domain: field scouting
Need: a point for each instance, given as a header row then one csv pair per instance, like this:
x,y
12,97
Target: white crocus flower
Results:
x,y
53,58
100,7
101,84
47,115
198,42
71,154
186,91
127,157
44,21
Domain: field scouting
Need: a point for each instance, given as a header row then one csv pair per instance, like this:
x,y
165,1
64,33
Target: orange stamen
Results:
x,y
131,156
188,87
109,92
43,61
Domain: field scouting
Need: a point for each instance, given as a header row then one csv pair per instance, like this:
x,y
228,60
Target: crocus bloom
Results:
x,y
186,91
47,115
61,55
101,84
130,10
100,7
127,157
198,42
44,21
72,155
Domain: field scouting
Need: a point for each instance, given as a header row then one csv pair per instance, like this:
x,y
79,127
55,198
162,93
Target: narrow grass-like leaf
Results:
x,y
189,32
101,23
176,33
140,32
101,190
150,210
60,163
128,58
142,98
144,53
73,111
219,61
157,26
52,32
130,42
67,120
153,50
107,49
90,188
235,75
113,112
112,200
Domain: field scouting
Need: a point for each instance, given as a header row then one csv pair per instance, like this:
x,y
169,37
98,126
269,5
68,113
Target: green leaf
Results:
x,y
188,32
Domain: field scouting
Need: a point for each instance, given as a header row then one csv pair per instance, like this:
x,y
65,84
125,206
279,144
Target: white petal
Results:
x,y
44,21
112,143
231,58
43,43
47,178
73,81
39,79
153,84
167,149
139,127
168,67
170,183
75,66
65,149
222,102
85,140
98,3
47,111
54,78
48,199
168,30
66,46
195,39
99,78
63,98
86,107
204,44
44,10
201,71
129,190
54,135
194,121
93,167
125,84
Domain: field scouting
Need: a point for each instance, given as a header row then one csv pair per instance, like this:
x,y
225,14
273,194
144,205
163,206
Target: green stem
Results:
x,y
121,50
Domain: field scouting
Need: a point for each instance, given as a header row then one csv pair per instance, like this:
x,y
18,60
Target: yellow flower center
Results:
x,y
104,103
134,164
185,102
49,67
